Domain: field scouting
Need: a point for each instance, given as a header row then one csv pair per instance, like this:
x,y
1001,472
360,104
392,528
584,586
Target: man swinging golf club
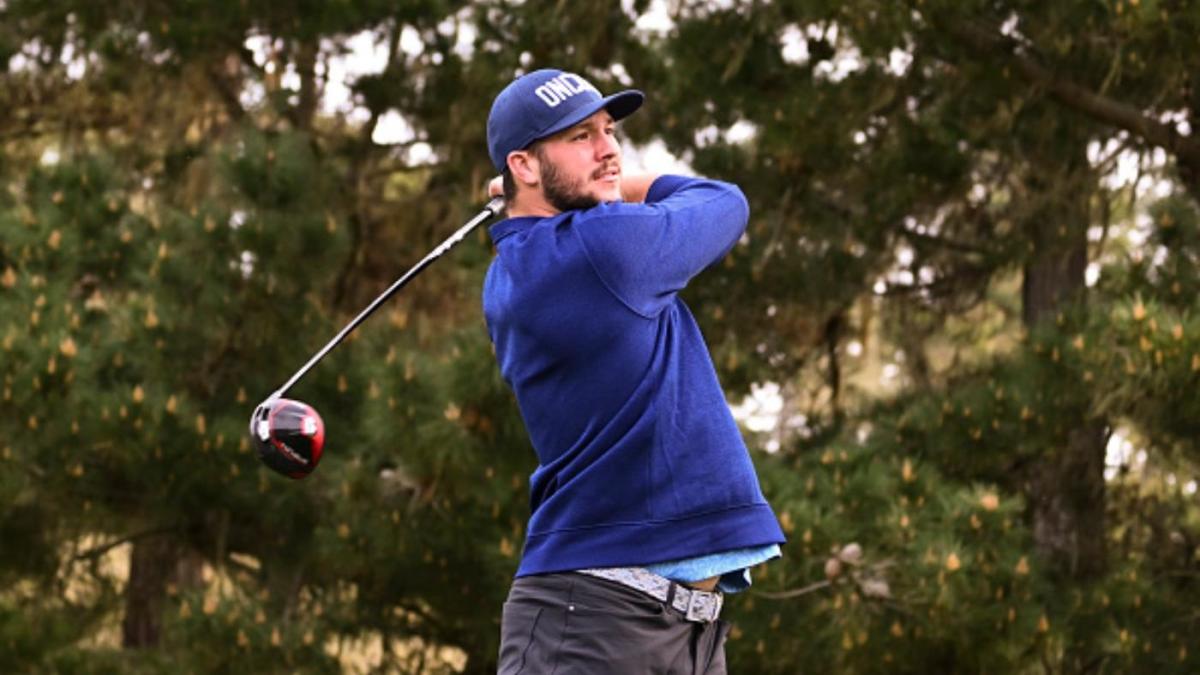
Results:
x,y
645,504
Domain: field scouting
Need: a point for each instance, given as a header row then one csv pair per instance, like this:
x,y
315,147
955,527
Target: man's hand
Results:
x,y
495,187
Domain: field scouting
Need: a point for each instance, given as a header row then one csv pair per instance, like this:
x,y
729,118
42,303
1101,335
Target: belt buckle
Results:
x,y
702,609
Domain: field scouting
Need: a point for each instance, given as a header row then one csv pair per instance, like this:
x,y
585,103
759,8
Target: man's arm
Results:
x,y
647,252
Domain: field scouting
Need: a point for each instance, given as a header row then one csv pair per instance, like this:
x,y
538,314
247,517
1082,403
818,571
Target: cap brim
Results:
x,y
620,105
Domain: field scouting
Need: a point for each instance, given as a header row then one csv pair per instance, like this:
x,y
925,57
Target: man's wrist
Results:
x,y
634,187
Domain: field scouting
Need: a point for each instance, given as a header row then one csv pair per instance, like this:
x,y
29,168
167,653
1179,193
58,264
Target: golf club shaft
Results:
x,y
493,208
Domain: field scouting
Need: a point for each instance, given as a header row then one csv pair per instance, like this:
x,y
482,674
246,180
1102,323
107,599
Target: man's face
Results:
x,y
581,166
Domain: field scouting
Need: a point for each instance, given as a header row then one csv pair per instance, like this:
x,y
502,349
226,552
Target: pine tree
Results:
x,y
182,224
926,182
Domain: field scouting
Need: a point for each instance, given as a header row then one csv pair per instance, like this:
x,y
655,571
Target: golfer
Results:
x,y
645,505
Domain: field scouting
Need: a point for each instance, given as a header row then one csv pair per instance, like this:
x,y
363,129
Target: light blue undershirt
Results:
x,y
732,566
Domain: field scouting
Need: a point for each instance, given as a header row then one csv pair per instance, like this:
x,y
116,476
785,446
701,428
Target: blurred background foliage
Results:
x,y
960,332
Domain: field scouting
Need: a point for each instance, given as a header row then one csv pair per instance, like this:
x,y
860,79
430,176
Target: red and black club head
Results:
x,y
288,435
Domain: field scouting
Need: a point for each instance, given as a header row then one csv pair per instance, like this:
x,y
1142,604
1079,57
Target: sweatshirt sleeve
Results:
x,y
646,253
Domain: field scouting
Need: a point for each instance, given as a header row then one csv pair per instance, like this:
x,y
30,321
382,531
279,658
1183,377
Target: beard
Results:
x,y
563,192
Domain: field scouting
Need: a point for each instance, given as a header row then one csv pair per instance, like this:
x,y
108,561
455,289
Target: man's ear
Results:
x,y
524,167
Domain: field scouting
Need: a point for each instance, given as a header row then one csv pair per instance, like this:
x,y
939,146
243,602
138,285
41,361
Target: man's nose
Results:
x,y
607,146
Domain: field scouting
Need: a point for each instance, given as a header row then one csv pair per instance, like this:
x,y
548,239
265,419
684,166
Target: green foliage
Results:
x,y
938,579
181,225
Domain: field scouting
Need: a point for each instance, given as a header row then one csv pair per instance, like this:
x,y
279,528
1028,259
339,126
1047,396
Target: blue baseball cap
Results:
x,y
543,103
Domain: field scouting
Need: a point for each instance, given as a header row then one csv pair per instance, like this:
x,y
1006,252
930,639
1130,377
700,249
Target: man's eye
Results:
x,y
580,136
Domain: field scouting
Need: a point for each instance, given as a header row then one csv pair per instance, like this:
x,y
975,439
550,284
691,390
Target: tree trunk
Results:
x,y
306,63
1068,504
151,565
1054,276
1067,490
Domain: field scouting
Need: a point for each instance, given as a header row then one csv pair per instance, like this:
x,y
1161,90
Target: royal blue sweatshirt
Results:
x,y
640,459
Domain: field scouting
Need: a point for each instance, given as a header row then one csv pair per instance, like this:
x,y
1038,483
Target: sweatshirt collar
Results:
x,y
509,226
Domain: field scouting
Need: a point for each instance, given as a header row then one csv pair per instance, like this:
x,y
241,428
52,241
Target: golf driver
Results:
x,y
288,434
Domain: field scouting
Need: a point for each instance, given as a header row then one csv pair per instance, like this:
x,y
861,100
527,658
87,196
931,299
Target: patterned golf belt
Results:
x,y
696,605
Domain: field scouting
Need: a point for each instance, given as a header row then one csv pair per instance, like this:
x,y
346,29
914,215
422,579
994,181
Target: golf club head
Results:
x,y
288,435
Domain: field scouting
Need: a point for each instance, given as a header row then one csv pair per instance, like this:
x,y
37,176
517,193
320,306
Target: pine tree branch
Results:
x,y
217,74
979,37
98,551
38,128
943,242
794,593
942,285
778,217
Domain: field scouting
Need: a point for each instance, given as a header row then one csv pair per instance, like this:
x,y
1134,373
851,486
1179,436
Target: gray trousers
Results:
x,y
574,624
